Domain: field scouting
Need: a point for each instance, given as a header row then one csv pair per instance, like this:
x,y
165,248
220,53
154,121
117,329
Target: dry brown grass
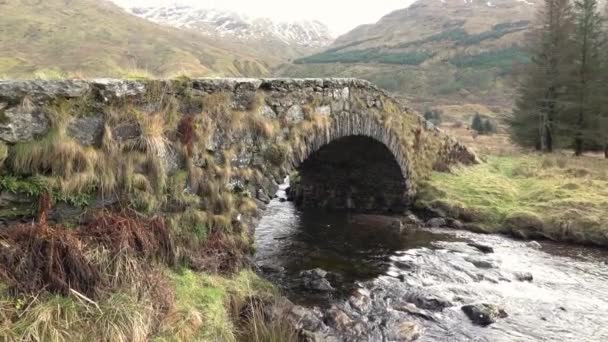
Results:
x,y
35,258
484,145
124,232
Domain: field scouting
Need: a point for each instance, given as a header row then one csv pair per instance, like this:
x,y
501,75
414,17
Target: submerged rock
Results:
x,y
272,269
414,310
394,224
480,263
534,244
484,314
524,276
426,299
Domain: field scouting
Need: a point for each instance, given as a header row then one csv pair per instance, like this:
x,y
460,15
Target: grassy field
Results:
x,y
558,196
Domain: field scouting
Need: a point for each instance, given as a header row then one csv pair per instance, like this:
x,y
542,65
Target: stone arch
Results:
x,y
361,132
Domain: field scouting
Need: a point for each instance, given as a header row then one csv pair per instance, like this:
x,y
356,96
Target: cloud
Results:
x,y
340,15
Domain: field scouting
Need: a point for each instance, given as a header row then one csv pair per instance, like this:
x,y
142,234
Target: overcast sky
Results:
x,y
340,15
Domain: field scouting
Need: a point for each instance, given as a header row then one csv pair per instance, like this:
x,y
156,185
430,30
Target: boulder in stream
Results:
x,y
524,276
315,280
484,314
481,247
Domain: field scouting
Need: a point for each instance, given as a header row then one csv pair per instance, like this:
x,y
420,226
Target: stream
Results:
x,y
550,291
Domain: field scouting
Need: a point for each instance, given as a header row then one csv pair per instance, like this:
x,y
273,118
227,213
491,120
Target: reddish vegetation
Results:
x,y
187,133
36,257
39,257
221,254
120,232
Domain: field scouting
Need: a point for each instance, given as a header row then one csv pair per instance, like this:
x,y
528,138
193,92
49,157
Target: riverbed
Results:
x,y
550,291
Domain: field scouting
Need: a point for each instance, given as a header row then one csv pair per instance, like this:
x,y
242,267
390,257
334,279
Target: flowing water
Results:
x,y
566,301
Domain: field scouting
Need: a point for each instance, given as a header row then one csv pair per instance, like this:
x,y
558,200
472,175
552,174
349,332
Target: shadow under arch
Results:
x,y
354,164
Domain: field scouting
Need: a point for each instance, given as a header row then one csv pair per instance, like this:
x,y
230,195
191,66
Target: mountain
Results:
x,y
93,38
435,52
292,39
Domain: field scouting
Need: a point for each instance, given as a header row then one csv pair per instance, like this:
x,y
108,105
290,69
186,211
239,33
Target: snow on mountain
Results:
x,y
230,24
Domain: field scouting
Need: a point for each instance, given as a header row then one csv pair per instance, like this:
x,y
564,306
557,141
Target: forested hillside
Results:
x,y
435,52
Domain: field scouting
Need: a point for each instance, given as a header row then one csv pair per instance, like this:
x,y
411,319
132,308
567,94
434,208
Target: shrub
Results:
x,y
433,116
483,125
276,154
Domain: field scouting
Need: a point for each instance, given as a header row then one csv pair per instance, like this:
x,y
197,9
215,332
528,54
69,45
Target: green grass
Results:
x,y
201,311
203,304
556,196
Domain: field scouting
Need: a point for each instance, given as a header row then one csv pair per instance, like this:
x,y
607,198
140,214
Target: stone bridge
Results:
x,y
352,145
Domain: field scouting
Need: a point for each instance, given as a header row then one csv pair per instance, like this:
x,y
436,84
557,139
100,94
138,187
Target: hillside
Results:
x,y
287,39
453,50
97,38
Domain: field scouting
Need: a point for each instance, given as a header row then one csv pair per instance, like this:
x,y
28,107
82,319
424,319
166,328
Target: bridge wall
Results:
x,y
241,135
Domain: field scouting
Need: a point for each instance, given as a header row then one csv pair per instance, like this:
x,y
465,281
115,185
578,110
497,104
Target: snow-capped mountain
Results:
x,y
229,24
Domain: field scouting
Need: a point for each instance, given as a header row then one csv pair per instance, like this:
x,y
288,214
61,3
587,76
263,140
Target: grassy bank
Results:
x,y
178,306
556,196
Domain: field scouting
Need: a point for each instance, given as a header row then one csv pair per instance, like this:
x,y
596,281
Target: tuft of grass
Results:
x,y
256,326
65,164
152,140
121,316
202,305
554,196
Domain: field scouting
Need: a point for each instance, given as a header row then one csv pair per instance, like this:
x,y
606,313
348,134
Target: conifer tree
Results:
x,y
541,99
583,89
477,124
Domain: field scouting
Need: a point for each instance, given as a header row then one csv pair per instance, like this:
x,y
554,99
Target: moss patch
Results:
x,y
556,196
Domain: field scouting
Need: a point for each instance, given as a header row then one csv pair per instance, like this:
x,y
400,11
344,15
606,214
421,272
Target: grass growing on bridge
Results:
x,y
554,196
